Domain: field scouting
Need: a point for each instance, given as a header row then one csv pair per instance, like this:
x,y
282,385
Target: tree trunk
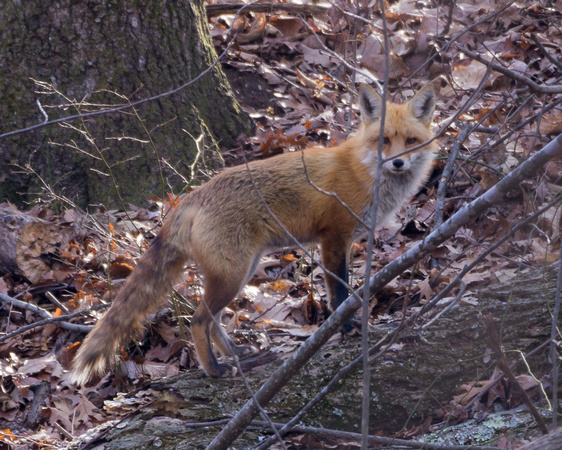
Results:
x,y
108,53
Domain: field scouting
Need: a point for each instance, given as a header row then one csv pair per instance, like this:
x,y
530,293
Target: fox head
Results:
x,y
405,126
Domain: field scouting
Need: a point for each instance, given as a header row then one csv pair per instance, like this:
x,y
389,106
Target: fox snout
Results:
x,y
397,165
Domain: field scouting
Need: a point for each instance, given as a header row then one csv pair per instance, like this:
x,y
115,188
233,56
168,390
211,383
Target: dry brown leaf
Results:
x,y
47,364
426,291
87,413
151,369
39,241
551,123
470,391
469,76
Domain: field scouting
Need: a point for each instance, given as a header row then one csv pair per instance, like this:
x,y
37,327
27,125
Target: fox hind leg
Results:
x,y
219,336
224,343
220,290
218,294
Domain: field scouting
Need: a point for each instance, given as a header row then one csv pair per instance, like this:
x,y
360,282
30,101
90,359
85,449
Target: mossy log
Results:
x,y
410,383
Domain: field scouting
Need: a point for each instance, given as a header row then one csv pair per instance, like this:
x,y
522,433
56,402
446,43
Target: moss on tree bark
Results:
x,y
98,52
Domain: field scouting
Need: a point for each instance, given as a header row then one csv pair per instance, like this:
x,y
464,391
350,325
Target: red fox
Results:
x,y
225,225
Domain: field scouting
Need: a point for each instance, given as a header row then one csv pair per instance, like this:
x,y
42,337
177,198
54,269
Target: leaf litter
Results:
x,y
303,97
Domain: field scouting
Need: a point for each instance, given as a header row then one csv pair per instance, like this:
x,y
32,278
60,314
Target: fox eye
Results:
x,y
411,141
386,141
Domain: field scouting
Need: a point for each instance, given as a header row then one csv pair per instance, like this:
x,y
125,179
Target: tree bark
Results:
x,y
108,53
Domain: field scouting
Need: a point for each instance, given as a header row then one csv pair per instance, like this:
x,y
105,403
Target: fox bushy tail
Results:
x,y
144,291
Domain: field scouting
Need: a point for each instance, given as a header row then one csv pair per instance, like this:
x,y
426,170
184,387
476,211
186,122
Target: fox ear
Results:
x,y
370,103
423,104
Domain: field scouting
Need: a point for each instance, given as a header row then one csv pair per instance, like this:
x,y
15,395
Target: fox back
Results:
x,y
319,195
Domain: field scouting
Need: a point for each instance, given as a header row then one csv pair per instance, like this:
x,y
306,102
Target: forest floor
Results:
x,y
298,80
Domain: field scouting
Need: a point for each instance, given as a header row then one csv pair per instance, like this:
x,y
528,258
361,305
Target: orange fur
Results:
x,y
225,226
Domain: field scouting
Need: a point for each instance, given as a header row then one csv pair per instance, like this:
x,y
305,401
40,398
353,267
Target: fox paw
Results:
x,y
244,350
222,371
351,328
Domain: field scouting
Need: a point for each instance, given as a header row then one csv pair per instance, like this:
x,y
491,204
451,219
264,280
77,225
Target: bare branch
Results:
x,y
233,8
545,52
366,394
511,74
373,440
446,176
48,318
494,341
554,354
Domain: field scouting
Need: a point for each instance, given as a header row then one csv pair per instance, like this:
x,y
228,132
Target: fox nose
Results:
x,y
398,163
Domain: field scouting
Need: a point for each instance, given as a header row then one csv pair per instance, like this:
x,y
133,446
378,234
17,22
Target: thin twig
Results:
x,y
496,380
56,302
523,124
554,356
292,237
342,373
504,366
481,257
288,8
353,77
511,74
447,308
373,440
452,4
457,37
265,311
48,318
366,392
355,16
446,176
500,255
42,110
367,75
543,49
360,221
444,125
263,413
